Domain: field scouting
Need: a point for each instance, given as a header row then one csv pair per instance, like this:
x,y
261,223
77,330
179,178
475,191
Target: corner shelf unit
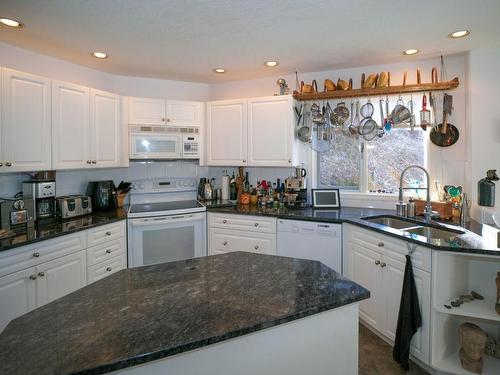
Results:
x,y
378,91
455,274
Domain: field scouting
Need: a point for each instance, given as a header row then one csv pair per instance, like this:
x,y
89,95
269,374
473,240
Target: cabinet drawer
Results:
x,y
223,241
31,255
105,233
242,222
108,267
392,247
110,249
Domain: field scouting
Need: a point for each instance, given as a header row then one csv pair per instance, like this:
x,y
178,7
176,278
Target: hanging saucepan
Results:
x,y
445,134
339,115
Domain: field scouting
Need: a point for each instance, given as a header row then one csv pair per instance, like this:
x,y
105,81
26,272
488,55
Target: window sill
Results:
x,y
368,200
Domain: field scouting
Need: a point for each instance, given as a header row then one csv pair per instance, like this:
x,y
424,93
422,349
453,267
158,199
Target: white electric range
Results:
x,y
165,222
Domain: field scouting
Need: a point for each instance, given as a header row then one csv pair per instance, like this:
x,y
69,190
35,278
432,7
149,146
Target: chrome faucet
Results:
x,y
428,213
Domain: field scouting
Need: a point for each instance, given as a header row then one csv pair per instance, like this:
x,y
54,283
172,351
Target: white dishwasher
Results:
x,y
311,240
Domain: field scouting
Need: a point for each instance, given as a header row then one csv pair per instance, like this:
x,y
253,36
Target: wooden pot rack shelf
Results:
x,y
378,91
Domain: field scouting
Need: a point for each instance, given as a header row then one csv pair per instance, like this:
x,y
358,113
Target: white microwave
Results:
x,y
160,142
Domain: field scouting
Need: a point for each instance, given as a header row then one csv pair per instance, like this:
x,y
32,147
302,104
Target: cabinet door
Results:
x,y
70,126
224,241
363,269
184,113
146,111
105,132
17,295
25,124
227,133
392,282
270,132
61,276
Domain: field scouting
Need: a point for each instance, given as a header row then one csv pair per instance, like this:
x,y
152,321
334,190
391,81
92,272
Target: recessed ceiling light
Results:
x,y
11,23
410,52
271,63
100,55
219,70
459,34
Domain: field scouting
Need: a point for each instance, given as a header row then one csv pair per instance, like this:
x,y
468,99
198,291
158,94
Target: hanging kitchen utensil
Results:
x,y
400,114
425,114
340,114
387,122
353,127
381,131
304,132
445,134
412,117
367,109
299,111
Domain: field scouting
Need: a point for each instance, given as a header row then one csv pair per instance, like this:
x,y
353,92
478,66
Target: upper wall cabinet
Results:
x,y
227,133
25,137
85,127
70,125
254,132
147,111
271,132
105,129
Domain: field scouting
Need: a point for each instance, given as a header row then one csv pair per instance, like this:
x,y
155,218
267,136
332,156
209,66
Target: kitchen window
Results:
x,y
375,166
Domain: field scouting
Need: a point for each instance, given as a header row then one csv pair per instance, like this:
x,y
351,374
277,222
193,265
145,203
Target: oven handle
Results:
x,y
165,219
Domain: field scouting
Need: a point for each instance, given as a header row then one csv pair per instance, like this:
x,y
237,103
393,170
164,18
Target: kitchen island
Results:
x,y
237,313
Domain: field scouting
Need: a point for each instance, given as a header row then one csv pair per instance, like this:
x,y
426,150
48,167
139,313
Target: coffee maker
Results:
x,y
298,185
40,197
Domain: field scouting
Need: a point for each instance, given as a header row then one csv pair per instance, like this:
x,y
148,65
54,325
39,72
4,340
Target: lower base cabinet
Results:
x,y
229,232
377,262
34,275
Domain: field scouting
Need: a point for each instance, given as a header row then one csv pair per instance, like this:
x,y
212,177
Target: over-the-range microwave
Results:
x,y
162,142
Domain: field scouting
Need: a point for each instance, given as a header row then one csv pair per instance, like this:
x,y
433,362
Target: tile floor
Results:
x,y
375,356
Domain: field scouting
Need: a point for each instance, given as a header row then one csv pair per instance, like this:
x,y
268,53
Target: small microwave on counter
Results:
x,y
161,142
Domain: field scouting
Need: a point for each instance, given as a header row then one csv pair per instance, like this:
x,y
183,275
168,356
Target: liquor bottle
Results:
x,y
246,184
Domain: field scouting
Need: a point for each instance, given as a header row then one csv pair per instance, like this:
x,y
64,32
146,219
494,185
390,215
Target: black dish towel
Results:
x,y
409,319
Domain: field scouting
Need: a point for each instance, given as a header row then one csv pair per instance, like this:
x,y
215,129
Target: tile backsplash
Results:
x,y
75,181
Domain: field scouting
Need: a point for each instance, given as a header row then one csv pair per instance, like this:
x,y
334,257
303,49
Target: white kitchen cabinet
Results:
x,y
362,269
105,129
271,138
252,132
229,232
17,295
146,111
227,133
185,113
25,133
377,262
149,111
61,276
70,126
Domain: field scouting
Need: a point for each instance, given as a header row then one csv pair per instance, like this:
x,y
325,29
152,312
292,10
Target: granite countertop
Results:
x,y
141,314
477,238
27,236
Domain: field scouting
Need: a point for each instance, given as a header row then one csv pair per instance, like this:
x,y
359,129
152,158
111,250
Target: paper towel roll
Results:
x,y
225,187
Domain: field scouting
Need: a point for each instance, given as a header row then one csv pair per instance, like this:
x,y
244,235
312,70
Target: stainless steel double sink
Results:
x,y
414,227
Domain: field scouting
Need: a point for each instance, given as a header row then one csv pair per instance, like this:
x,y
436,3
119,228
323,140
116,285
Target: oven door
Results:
x,y
166,239
155,146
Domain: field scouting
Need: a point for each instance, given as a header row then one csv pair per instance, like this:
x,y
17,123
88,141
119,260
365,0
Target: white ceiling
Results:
x,y
186,39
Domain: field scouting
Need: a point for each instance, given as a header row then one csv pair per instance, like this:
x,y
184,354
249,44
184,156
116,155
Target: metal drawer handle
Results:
x,y
8,164
32,277
224,243
256,247
377,262
256,225
383,265
108,269
1,164
224,221
108,233
94,161
36,255
244,161
108,251
41,274
380,244
89,162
